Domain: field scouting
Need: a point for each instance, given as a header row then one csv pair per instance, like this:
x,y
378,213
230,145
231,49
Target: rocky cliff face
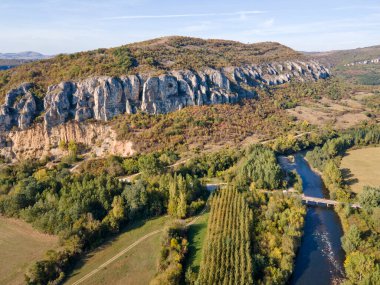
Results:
x,y
67,105
102,98
36,142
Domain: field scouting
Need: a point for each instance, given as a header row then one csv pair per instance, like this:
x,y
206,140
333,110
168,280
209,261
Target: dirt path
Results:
x,y
116,256
137,242
131,177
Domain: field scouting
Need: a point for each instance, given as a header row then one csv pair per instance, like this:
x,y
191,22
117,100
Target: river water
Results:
x,y
319,260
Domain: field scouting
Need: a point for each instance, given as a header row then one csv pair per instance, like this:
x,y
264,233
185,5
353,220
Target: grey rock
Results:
x,y
58,103
20,108
102,98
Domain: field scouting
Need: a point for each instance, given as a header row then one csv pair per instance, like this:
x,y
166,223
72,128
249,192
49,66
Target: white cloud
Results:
x,y
192,15
268,23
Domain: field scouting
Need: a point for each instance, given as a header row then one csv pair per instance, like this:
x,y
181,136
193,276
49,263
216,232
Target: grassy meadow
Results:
x,y
197,234
137,266
360,167
20,246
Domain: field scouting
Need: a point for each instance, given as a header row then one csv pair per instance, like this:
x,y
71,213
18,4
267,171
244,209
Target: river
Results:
x,y
319,259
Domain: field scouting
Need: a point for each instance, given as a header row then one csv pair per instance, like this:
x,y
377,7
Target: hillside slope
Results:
x,y
210,72
353,65
153,57
342,57
153,77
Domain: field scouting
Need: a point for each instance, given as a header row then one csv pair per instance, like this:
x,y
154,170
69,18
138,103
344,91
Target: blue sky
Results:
x,y
61,26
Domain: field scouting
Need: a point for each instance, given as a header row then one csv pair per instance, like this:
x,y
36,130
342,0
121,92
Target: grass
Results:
x,y
20,245
136,266
360,167
196,235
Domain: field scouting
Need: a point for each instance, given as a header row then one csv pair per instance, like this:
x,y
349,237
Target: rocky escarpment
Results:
x,y
36,142
102,98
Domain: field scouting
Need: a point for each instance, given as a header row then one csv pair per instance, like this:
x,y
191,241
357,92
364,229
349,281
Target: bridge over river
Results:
x,y
309,200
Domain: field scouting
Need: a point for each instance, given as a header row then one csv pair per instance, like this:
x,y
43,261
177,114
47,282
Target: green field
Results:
x,y
360,167
197,234
20,245
137,266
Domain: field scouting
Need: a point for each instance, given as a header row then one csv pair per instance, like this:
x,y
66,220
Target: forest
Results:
x,y
86,209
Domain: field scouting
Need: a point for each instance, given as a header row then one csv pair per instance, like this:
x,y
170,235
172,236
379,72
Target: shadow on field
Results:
x,y
192,233
348,177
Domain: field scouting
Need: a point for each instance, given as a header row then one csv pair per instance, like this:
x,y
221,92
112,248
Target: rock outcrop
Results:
x,y
36,142
20,108
102,98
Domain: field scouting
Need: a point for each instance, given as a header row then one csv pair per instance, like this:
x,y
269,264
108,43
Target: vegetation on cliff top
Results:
x,y
154,56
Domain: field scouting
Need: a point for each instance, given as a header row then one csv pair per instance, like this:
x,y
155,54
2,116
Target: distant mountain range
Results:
x,y
28,55
9,60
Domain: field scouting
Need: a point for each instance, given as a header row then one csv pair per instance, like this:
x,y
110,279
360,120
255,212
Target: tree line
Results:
x,y
85,209
226,256
361,226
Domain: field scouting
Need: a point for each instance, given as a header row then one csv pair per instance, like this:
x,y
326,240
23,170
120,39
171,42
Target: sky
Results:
x,y
65,26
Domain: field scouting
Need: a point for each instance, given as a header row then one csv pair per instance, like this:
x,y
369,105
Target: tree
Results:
x,y
182,205
73,149
358,265
332,173
369,198
149,164
351,240
173,198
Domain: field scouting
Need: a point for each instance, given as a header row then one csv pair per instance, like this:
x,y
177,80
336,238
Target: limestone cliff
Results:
x,y
102,98
35,142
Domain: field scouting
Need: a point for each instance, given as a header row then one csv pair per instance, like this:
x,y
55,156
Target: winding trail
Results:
x,y
210,187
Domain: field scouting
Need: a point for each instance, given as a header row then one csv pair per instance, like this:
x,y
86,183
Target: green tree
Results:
x,y
149,164
352,239
73,149
182,205
369,198
358,265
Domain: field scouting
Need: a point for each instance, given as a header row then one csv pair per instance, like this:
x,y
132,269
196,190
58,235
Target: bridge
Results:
x,y
308,200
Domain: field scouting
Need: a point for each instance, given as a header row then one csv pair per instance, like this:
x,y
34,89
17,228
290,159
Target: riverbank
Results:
x,y
320,257
361,227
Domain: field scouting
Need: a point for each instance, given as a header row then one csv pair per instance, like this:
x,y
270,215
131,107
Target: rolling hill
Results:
x,y
154,57
348,64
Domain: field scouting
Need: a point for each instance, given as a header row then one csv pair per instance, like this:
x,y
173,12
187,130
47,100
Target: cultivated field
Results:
x,y
20,245
362,167
137,266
